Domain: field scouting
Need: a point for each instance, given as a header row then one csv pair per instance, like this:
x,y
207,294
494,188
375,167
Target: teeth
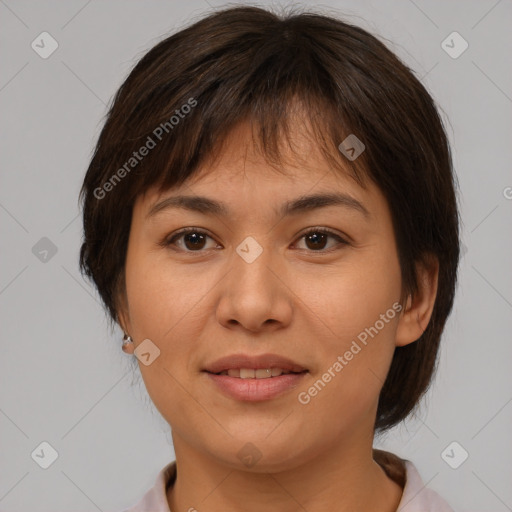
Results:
x,y
263,373
260,373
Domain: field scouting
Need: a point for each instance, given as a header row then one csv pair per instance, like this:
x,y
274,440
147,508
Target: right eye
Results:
x,y
191,240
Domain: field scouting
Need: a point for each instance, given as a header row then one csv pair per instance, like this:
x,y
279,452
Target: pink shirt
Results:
x,y
415,498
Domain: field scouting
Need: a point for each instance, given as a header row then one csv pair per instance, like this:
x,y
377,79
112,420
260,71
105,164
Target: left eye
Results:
x,y
318,237
193,240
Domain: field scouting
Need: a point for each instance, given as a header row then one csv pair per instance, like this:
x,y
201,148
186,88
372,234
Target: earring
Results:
x,y
127,342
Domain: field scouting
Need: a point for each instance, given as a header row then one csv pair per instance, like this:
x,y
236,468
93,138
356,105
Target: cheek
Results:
x,y
361,310
163,305
161,295
354,295
345,388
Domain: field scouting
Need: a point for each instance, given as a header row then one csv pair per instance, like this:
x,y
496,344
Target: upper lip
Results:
x,y
237,361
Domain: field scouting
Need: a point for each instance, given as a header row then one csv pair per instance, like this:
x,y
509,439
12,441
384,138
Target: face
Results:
x,y
313,291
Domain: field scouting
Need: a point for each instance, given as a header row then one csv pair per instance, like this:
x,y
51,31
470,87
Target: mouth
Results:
x,y
256,373
244,366
255,378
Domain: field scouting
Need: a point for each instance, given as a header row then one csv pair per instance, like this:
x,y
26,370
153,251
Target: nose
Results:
x,y
255,296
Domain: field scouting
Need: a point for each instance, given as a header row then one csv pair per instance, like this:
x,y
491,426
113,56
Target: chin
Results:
x,y
262,455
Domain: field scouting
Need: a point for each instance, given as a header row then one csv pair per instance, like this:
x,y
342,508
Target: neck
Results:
x,y
343,478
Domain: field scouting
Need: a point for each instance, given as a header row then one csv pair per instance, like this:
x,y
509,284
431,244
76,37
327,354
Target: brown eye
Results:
x,y
317,239
194,240
189,240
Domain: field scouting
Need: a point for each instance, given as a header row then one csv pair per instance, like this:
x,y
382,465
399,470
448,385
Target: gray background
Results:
x,y
64,378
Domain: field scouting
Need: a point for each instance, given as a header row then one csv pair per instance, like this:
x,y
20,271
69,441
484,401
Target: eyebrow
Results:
x,y
302,204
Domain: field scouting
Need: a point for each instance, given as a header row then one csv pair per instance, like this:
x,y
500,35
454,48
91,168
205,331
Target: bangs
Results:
x,y
190,131
185,114
274,138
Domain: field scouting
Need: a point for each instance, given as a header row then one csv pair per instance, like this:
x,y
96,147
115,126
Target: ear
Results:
x,y
418,310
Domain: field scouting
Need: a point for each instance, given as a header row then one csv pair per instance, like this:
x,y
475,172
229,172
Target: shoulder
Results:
x,y
417,497
155,498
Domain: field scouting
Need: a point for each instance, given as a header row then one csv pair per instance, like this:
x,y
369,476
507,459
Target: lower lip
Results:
x,y
254,390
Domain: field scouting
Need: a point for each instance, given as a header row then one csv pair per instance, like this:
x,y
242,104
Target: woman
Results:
x,y
270,216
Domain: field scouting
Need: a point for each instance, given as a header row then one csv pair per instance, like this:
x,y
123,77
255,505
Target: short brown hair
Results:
x,y
246,63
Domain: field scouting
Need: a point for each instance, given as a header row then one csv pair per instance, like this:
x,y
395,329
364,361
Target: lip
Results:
x,y
237,361
254,390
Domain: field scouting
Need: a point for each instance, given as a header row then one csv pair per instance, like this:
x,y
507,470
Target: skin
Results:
x,y
295,300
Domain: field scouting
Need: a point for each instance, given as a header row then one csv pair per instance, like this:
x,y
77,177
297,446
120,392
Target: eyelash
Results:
x,y
167,242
